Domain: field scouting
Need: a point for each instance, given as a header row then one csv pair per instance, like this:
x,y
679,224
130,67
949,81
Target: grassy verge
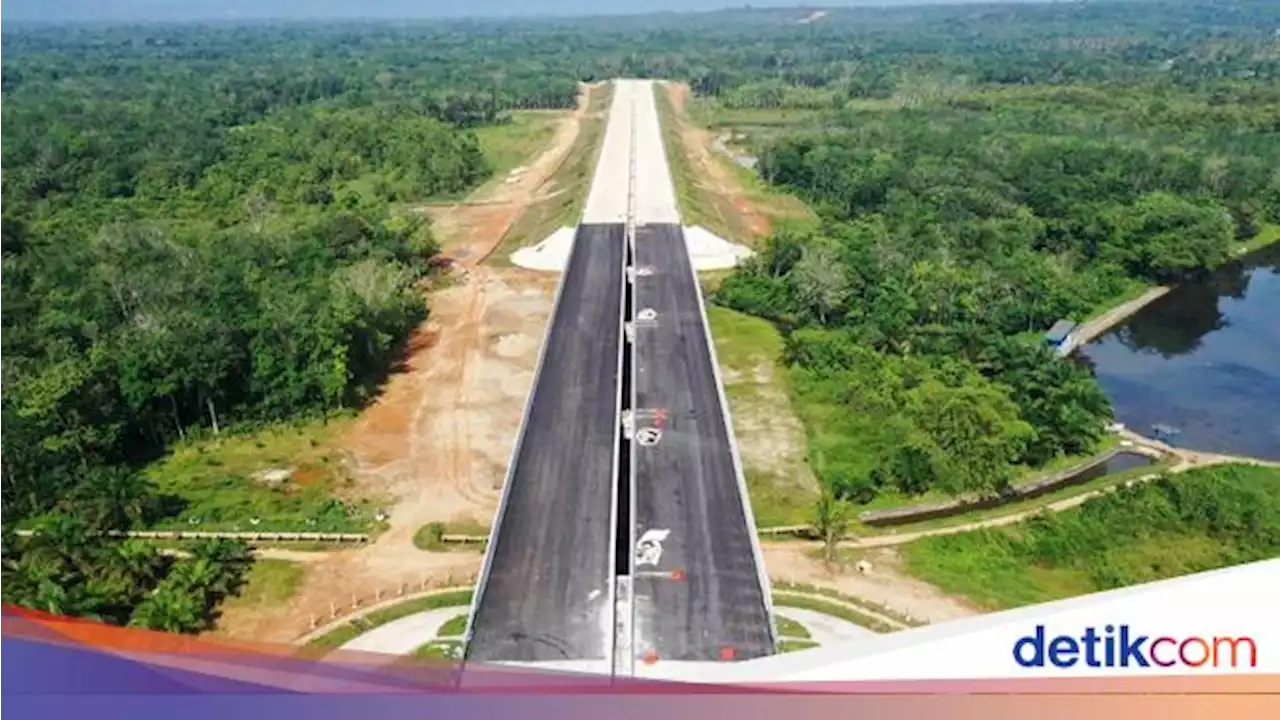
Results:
x,y
1191,522
832,609
698,204
439,650
349,631
563,195
270,582
454,627
510,144
781,488
1266,235
431,536
226,482
782,586
788,645
791,628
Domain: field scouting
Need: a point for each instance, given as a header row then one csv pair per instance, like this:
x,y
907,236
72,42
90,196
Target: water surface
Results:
x,y
1204,360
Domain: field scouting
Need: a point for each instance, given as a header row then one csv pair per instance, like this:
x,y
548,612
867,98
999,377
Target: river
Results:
x,y
1203,360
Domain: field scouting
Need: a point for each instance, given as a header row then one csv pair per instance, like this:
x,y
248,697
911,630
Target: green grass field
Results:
x,y
454,627
788,645
781,489
1189,522
791,628
782,599
439,650
220,481
270,582
508,145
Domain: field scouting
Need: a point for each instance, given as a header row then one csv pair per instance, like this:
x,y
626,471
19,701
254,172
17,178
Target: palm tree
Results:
x,y
113,498
831,521
229,560
136,565
35,581
67,537
169,608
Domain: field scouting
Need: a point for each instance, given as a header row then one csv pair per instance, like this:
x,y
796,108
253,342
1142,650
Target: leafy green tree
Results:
x,y
172,607
1168,238
977,427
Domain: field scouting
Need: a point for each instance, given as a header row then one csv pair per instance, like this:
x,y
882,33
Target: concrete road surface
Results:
x,y
548,591
697,590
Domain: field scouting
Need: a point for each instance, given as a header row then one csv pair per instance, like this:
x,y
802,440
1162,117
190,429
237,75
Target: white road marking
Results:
x,y
649,546
648,436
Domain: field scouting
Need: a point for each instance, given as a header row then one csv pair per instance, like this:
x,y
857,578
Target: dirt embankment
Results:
x,y
738,211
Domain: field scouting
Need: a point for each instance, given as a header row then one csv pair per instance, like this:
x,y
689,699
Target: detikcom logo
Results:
x,y
1119,646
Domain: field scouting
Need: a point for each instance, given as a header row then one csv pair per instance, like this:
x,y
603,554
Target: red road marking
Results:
x,y
727,653
677,574
658,422
650,657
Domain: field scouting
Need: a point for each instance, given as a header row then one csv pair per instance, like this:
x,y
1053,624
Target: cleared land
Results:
x,y
287,477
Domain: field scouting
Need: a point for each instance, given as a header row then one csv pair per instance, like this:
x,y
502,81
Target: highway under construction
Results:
x,y
624,539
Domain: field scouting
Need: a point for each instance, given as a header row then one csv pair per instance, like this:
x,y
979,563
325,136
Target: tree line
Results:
x,y
954,232
194,243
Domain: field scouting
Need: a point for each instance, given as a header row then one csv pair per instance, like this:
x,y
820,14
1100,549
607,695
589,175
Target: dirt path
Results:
x,y
886,585
437,441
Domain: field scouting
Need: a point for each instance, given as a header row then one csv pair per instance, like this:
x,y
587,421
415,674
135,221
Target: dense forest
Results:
x,y
197,239
209,228
960,221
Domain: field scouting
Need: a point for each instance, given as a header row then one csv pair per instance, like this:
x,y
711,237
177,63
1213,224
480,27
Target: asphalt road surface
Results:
x,y
700,599
547,596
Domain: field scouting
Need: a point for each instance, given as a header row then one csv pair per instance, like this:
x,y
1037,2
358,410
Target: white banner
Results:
x,y
1220,622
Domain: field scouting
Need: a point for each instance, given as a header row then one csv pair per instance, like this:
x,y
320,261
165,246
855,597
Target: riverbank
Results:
x,y
1095,327
1098,325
